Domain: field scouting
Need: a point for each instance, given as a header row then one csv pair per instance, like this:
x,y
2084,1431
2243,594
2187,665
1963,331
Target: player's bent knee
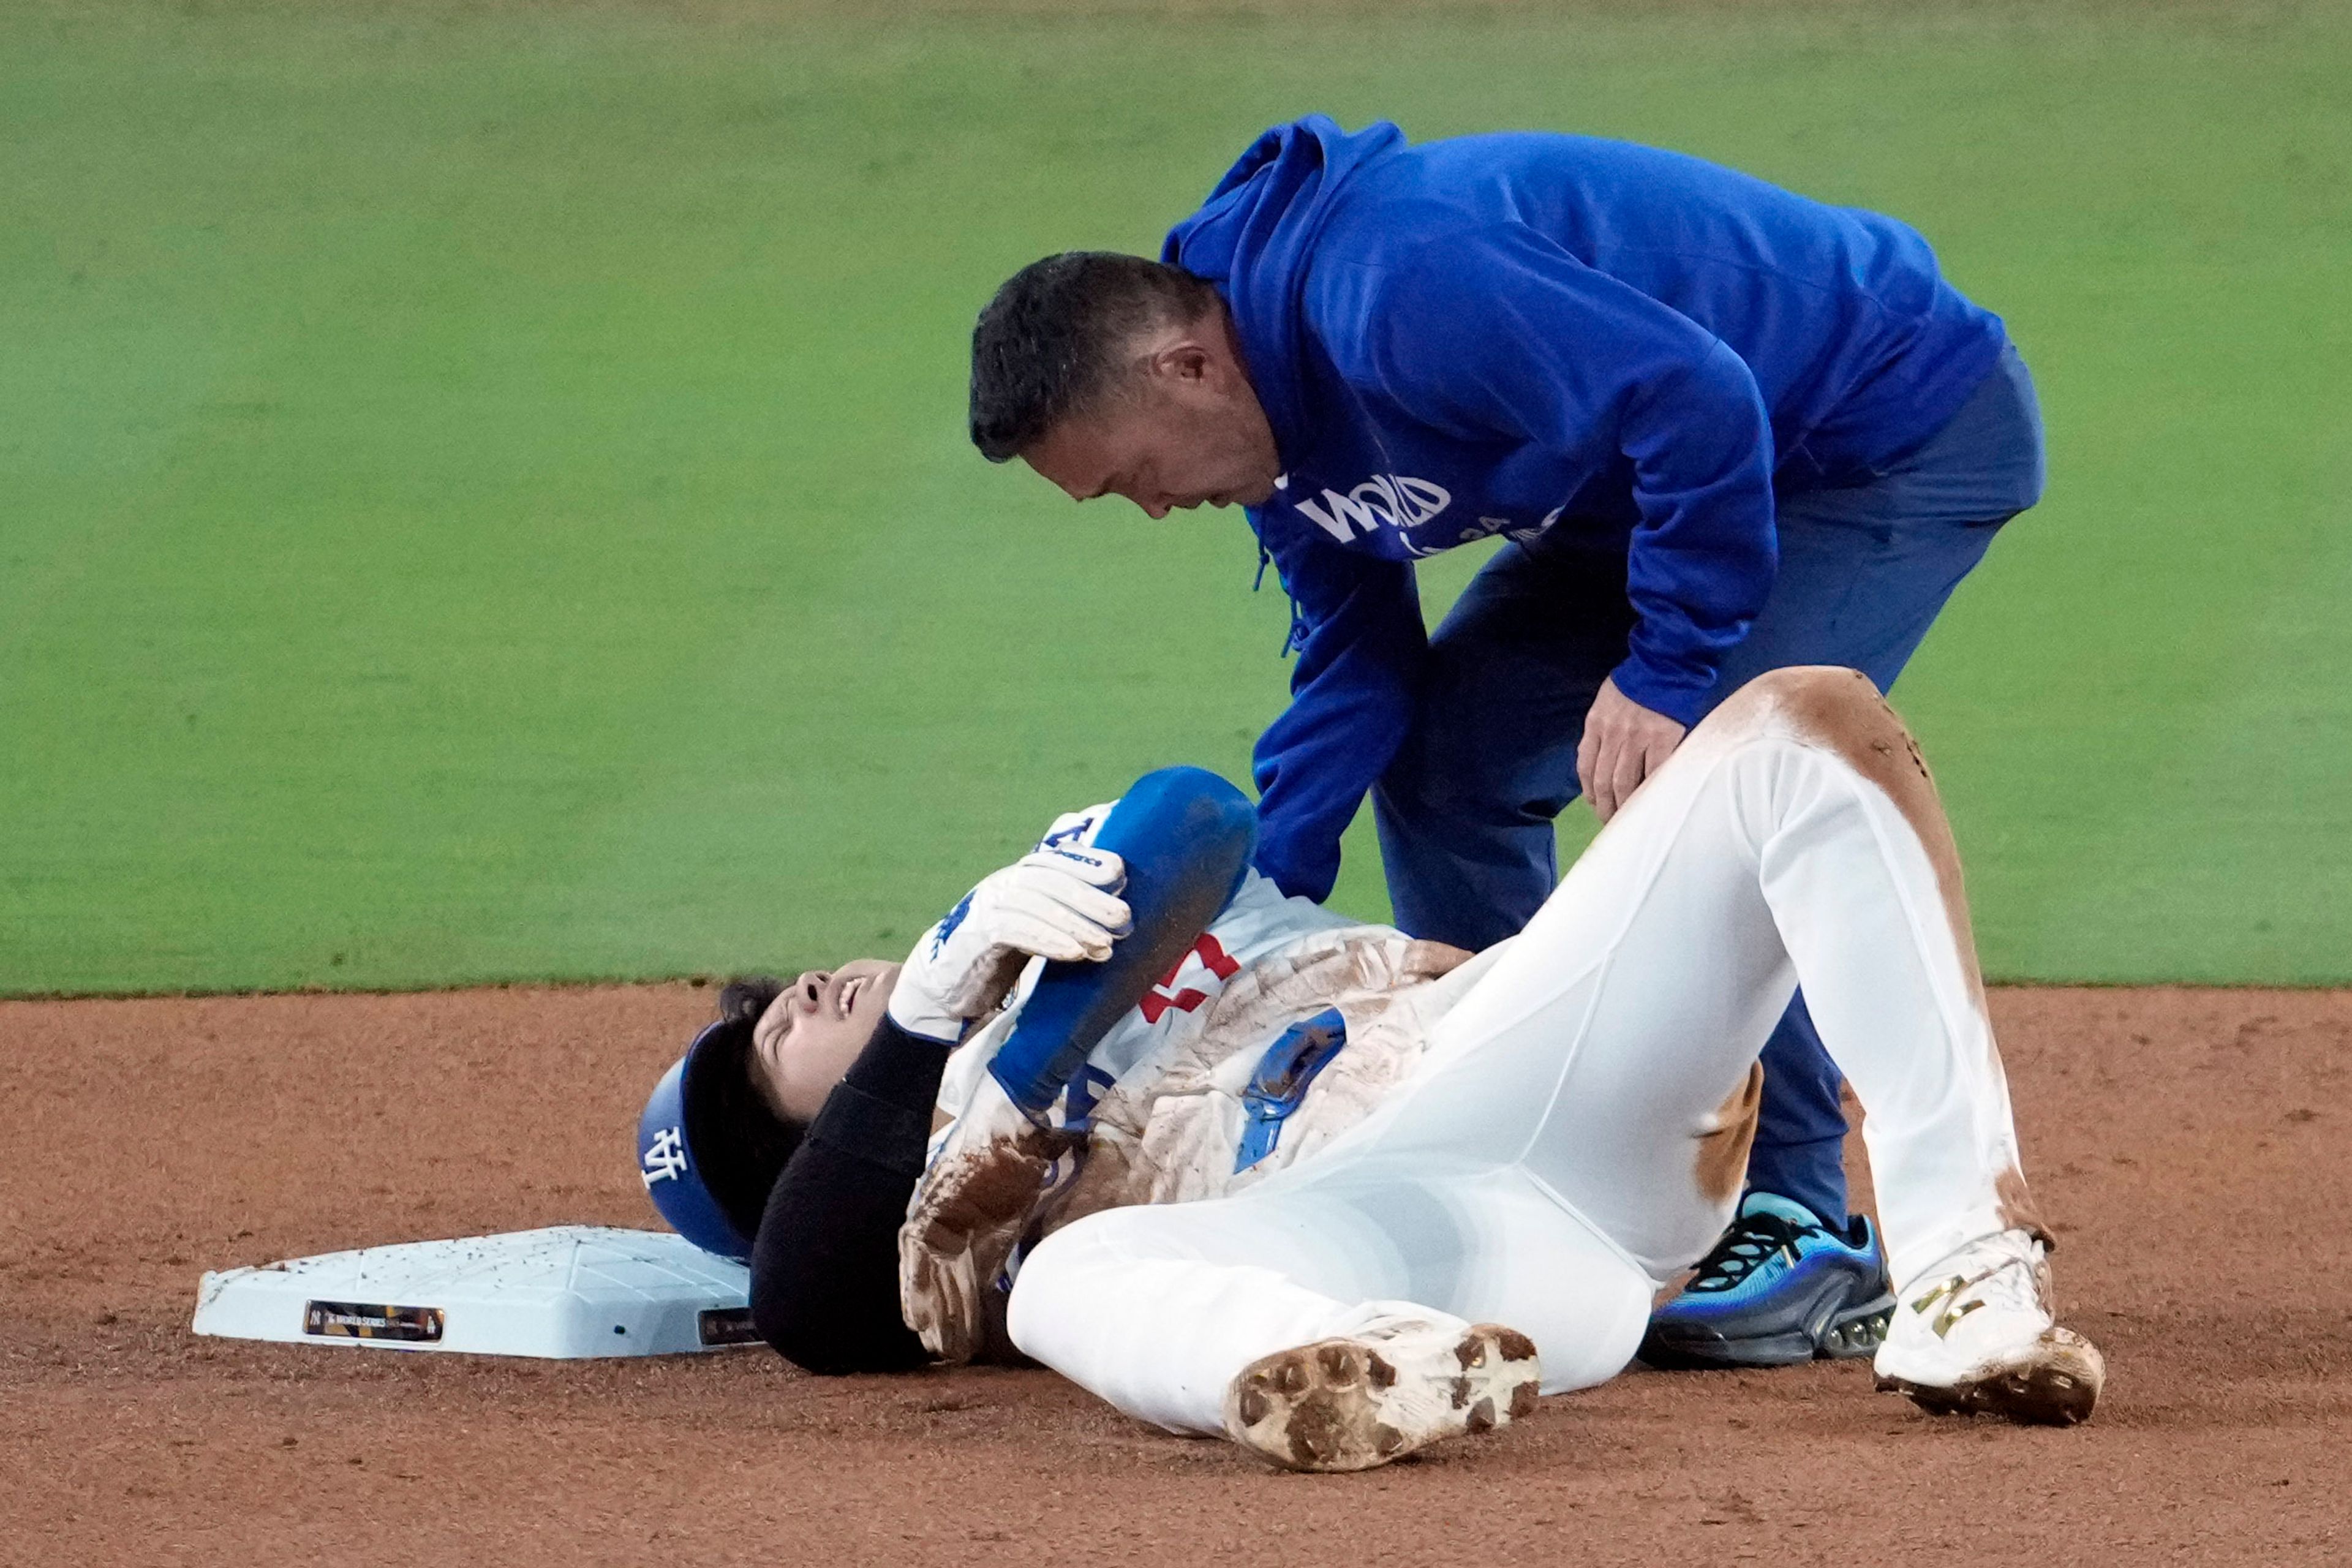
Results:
x,y
1838,712
1817,685
1800,688
1825,705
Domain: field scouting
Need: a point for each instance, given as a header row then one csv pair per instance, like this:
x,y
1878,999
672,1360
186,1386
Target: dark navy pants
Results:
x,y
1466,811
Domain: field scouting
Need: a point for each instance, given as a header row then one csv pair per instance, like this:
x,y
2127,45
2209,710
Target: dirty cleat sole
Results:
x,y
2055,1384
1356,1403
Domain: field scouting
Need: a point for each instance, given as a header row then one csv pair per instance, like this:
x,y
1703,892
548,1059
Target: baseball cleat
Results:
x,y
1779,1288
1355,1403
1974,1336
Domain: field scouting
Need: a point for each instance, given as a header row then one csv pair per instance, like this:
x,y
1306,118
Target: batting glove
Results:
x,y
1060,903
1077,829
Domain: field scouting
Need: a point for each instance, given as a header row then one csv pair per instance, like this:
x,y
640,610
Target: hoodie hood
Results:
x,y
1252,237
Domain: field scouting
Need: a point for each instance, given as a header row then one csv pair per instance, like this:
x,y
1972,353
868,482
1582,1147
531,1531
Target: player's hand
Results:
x,y
1060,903
1623,743
968,1213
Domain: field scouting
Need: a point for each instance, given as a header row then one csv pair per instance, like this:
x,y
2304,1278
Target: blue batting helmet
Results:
x,y
710,1148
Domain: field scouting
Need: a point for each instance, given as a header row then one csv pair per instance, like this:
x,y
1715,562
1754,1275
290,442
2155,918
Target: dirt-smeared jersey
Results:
x,y
1282,1028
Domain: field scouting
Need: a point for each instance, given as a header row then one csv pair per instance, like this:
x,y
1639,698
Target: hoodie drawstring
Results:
x,y
1295,637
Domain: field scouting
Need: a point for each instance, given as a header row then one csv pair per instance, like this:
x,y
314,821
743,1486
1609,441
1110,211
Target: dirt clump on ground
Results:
x,y
2193,1150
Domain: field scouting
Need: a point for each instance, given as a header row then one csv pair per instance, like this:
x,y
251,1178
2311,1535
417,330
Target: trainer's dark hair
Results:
x,y
741,1141
1048,345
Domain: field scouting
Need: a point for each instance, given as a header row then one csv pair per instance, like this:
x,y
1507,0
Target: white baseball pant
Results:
x,y
1561,1151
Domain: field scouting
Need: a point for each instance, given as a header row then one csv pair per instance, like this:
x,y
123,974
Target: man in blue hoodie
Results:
x,y
1721,428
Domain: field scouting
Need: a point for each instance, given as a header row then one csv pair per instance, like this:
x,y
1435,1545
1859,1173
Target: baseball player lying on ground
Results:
x,y
1337,1194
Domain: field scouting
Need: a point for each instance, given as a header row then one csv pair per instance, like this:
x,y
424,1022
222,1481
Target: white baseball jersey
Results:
x,y
1281,1028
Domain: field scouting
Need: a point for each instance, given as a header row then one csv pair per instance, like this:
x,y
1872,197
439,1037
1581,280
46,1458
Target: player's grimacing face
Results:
x,y
1186,428
814,1029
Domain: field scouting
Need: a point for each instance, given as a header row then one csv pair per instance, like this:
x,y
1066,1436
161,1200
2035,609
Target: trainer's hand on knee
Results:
x,y
1623,743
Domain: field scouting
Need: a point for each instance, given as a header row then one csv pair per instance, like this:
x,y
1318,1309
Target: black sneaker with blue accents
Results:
x,y
1780,1287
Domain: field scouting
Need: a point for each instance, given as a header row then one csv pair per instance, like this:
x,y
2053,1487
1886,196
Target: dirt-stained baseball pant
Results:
x,y
1561,1150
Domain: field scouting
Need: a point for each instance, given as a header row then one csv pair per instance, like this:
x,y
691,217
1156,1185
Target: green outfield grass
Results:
x,y
483,493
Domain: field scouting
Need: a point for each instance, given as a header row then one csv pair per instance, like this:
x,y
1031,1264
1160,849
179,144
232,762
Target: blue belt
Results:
x,y
1280,1082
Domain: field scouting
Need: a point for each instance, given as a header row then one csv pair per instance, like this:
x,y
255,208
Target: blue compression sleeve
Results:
x,y
1187,837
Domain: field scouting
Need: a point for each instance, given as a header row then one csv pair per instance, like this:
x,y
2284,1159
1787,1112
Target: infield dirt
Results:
x,y
2189,1145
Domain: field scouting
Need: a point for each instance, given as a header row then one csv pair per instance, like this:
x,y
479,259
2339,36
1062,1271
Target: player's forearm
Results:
x,y
825,1273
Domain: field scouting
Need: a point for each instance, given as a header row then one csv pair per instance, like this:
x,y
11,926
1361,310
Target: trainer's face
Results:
x,y
809,1034
1184,427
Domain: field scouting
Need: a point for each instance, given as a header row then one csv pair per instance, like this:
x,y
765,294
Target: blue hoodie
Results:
x,y
1534,334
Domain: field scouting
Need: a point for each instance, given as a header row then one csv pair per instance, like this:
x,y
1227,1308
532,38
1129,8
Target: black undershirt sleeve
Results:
x,y
825,1268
